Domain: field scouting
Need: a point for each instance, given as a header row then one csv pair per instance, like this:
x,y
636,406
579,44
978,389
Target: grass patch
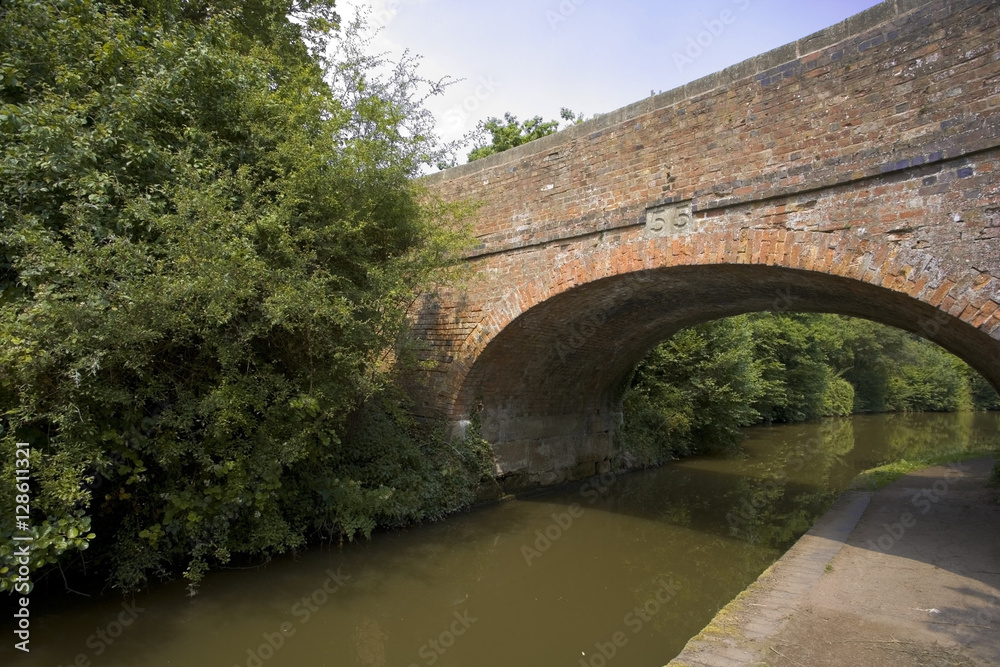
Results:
x,y
877,478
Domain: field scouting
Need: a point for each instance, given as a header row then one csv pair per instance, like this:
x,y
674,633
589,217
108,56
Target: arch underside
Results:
x,y
549,383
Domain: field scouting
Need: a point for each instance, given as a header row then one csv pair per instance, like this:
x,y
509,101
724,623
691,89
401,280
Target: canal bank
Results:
x,y
909,574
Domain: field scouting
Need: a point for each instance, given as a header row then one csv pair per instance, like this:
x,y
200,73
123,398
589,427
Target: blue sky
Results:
x,y
532,57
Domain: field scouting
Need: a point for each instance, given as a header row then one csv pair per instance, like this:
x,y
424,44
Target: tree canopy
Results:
x,y
505,134
694,391
209,238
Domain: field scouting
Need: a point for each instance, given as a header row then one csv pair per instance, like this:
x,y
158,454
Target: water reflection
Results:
x,y
780,494
625,568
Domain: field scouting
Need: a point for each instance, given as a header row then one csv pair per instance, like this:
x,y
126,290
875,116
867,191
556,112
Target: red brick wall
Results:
x,y
854,171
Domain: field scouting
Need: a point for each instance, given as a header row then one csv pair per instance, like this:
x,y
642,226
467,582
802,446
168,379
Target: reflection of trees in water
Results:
x,y
744,515
706,563
788,485
807,452
921,435
733,519
648,495
773,513
787,489
791,477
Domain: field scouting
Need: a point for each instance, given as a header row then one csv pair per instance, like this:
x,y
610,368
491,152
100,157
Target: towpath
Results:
x,y
907,575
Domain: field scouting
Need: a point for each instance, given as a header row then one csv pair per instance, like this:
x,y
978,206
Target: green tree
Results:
x,y
209,239
869,349
984,396
509,132
692,393
927,379
795,350
895,371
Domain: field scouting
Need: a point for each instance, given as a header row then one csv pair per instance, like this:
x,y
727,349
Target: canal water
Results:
x,y
619,570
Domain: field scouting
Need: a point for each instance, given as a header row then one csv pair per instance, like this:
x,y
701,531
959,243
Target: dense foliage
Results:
x,y
694,391
495,135
209,238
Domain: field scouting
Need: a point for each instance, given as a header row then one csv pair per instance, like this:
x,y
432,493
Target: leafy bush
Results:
x,y
984,396
509,132
390,471
838,400
207,252
692,393
929,380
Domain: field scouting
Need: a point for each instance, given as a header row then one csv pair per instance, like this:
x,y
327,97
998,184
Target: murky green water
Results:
x,y
617,571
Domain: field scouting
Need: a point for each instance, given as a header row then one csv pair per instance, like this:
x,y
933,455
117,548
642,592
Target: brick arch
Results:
x,y
948,295
548,357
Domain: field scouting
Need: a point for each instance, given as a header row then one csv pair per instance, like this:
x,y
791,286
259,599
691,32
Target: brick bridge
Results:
x,y
855,171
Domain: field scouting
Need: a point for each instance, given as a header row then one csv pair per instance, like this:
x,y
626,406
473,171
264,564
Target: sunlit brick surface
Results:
x,y
856,171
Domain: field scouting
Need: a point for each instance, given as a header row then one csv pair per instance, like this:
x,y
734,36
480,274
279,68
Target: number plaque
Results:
x,y
669,220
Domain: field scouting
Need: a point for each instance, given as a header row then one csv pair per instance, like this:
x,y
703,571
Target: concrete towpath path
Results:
x,y
907,575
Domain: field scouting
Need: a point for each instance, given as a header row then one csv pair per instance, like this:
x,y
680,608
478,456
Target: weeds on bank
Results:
x,y
881,476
